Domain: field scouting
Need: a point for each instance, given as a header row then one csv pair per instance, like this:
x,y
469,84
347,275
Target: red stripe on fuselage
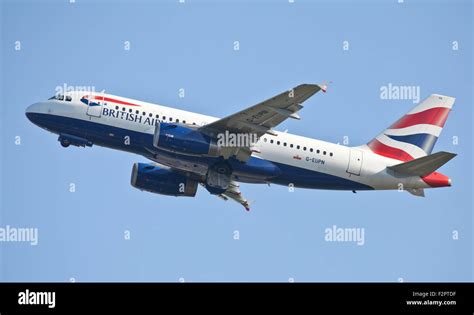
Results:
x,y
434,116
381,149
108,99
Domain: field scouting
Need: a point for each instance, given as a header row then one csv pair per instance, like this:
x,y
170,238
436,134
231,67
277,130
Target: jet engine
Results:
x,y
161,180
184,140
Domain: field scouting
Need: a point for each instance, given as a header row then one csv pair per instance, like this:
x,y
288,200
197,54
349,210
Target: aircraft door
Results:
x,y
355,162
94,107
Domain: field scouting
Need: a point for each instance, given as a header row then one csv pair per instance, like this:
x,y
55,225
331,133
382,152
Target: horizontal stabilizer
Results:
x,y
423,166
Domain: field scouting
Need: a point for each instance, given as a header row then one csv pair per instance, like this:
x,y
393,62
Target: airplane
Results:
x,y
188,149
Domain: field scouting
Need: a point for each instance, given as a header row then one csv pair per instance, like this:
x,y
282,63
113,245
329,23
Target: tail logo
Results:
x,y
415,134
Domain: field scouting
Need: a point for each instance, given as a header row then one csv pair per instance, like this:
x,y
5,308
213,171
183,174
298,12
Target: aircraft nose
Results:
x,y
32,112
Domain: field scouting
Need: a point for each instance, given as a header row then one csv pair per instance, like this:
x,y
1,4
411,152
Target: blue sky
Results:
x,y
191,46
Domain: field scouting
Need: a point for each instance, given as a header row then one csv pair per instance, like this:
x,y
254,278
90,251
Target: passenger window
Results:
x,y
151,115
330,154
130,110
123,109
298,147
278,142
324,152
184,121
164,118
264,139
284,144
291,145
304,148
61,97
271,141
116,107
317,151
171,119
144,113
68,98
311,150
157,116
137,112
177,120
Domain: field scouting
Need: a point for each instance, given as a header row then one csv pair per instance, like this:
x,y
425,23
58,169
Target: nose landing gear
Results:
x,y
64,143
66,140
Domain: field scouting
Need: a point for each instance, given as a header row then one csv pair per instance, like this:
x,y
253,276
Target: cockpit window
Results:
x,y
60,97
57,97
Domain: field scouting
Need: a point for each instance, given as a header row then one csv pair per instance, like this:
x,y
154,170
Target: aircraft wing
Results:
x,y
261,118
234,193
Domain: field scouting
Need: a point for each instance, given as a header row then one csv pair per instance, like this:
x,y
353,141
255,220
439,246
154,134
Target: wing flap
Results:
x,y
234,193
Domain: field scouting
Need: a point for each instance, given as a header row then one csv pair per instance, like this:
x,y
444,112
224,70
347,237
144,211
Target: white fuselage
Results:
x,y
302,155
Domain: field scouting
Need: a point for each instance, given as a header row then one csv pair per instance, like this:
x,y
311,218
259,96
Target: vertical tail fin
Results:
x,y
415,134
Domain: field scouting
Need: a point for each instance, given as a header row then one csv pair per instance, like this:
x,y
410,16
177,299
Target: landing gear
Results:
x,y
218,178
67,140
65,143
223,169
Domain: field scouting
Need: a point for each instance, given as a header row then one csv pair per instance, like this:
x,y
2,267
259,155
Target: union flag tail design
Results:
x,y
415,134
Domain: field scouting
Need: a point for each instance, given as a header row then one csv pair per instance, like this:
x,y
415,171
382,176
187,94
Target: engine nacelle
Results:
x,y
183,140
159,180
